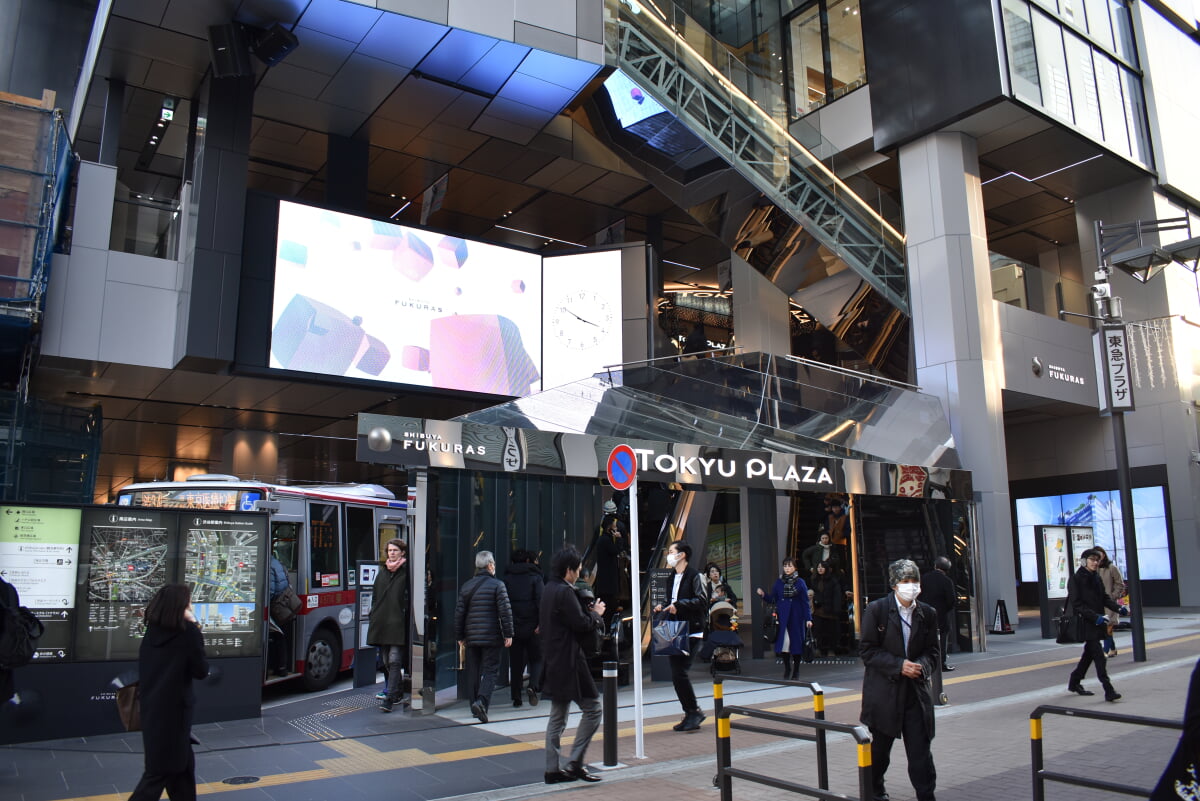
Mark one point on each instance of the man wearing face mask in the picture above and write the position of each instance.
(900, 649)
(688, 601)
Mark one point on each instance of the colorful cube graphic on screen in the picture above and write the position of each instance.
(316, 338)
(480, 353)
(293, 252)
(411, 257)
(452, 252)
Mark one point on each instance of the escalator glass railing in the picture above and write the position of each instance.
(741, 117)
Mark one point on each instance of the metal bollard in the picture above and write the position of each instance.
(611, 670)
(822, 742)
(1036, 758)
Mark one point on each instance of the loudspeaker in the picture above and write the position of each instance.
(229, 50)
(273, 44)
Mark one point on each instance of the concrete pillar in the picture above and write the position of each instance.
(956, 336)
(251, 454)
(207, 327)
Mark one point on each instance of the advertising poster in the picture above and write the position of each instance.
(39, 556)
(1082, 538)
(1059, 565)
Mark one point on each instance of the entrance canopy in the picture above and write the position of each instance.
(745, 420)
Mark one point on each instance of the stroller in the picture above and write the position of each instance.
(723, 641)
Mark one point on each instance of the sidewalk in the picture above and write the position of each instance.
(340, 746)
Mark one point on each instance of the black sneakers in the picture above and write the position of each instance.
(479, 712)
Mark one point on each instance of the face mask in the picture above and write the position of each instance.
(672, 559)
(908, 592)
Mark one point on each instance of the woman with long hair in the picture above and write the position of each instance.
(170, 658)
(1114, 587)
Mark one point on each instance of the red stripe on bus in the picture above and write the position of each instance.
(338, 598)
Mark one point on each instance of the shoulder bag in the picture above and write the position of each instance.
(285, 606)
(129, 706)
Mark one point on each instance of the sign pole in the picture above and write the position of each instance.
(635, 573)
(622, 475)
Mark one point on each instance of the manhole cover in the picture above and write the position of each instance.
(241, 780)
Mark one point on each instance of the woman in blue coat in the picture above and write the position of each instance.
(790, 596)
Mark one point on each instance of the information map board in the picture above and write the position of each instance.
(89, 574)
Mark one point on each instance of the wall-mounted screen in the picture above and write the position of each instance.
(1102, 512)
(367, 299)
(583, 315)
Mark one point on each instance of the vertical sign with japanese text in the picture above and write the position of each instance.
(1112, 358)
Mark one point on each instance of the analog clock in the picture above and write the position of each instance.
(581, 319)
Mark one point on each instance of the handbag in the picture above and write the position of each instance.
(129, 706)
(1070, 629)
(284, 606)
(669, 638)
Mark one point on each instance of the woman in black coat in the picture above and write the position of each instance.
(171, 656)
(388, 628)
(829, 606)
(1087, 599)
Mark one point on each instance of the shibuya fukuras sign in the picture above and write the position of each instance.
(415, 442)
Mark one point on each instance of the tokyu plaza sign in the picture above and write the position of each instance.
(416, 442)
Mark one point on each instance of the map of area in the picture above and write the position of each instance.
(221, 565)
(128, 564)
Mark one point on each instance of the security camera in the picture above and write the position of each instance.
(1101, 290)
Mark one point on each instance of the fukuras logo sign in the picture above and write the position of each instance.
(732, 467)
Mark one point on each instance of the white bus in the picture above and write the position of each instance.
(320, 534)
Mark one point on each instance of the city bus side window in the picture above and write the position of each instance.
(360, 535)
(325, 560)
(283, 544)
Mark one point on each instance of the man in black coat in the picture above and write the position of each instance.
(689, 602)
(563, 621)
(937, 590)
(483, 622)
(523, 581)
(899, 647)
(1086, 597)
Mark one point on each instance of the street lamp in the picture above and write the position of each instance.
(1143, 262)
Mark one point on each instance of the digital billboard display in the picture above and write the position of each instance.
(362, 298)
(368, 299)
(1101, 510)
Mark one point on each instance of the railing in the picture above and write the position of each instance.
(726, 773)
(1025, 286)
(1041, 775)
(695, 77)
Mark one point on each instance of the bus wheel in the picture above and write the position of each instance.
(320, 663)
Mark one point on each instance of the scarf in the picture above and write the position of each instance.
(394, 566)
(789, 584)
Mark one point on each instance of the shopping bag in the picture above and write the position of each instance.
(669, 638)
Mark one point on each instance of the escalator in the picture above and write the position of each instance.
(682, 109)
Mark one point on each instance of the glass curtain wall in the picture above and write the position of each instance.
(1075, 59)
(826, 58)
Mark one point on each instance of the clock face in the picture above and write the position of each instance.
(581, 320)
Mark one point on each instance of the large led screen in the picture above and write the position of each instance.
(1102, 511)
(582, 315)
(362, 298)
(630, 103)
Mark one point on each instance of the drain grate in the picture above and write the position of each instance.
(240, 780)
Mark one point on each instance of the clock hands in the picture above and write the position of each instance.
(577, 317)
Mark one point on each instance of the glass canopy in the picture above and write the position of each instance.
(749, 401)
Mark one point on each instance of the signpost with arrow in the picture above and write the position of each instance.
(39, 556)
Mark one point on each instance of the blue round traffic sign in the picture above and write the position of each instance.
(622, 467)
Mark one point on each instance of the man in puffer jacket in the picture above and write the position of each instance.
(483, 622)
